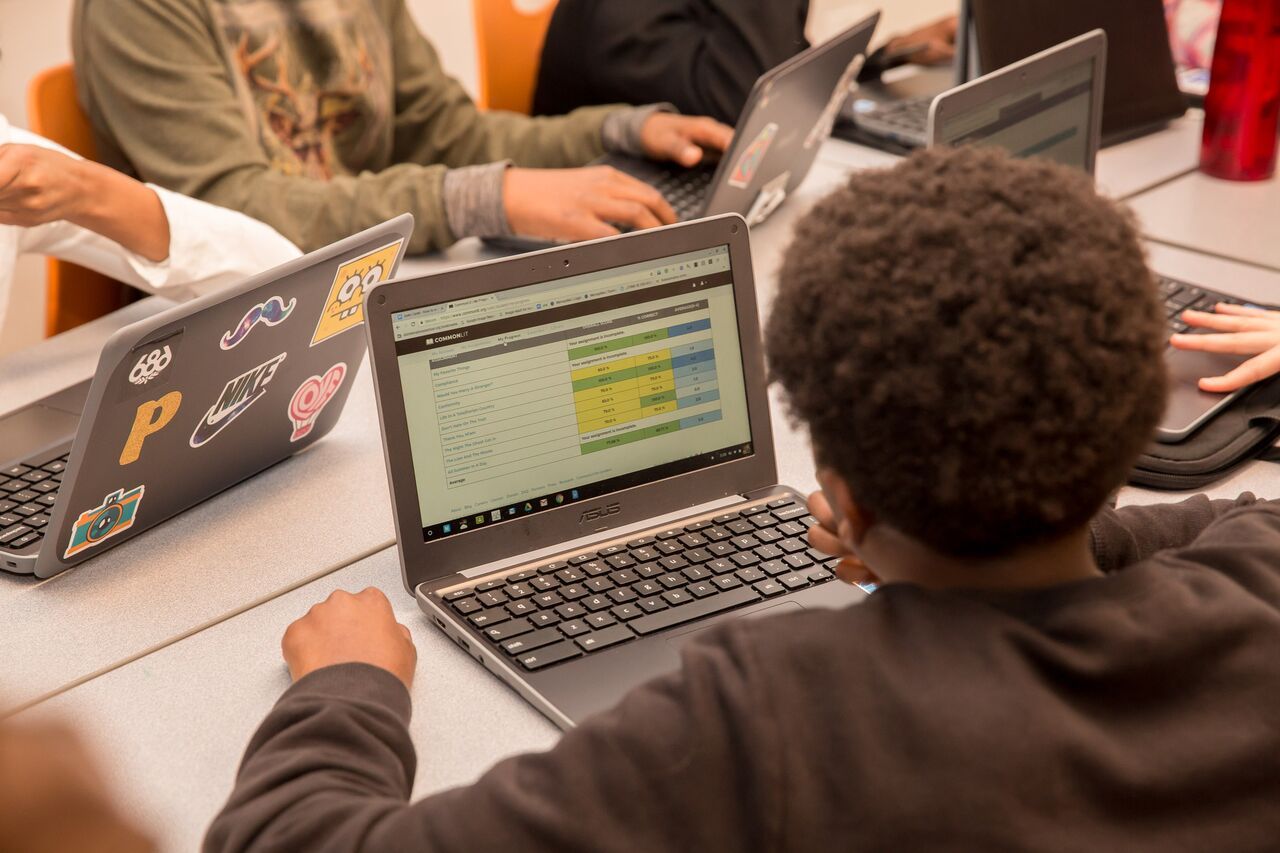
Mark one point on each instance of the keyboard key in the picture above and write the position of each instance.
(627, 612)
(38, 521)
(779, 503)
(669, 534)
(568, 575)
(702, 589)
(652, 622)
(520, 608)
(621, 595)
(599, 584)
(624, 577)
(692, 540)
(764, 519)
(488, 585)
(580, 559)
(547, 599)
(791, 513)
(672, 581)
(467, 605)
(744, 543)
(696, 573)
(458, 593)
(521, 577)
(698, 555)
(24, 541)
(12, 533)
(775, 568)
(768, 587)
(716, 534)
(28, 509)
(726, 581)
(507, 630)
(57, 466)
(35, 476)
(13, 486)
(597, 602)
(611, 550)
(594, 568)
(677, 596)
(675, 561)
(8, 519)
(572, 610)
(740, 527)
(518, 590)
(650, 570)
(745, 558)
(798, 561)
(721, 566)
(721, 549)
(792, 545)
(552, 567)
(575, 627)
(14, 471)
(652, 605)
(795, 580)
(600, 620)
(768, 535)
(645, 554)
(543, 618)
(491, 616)
(574, 591)
(607, 637)
(545, 582)
(641, 542)
(6, 505)
(768, 552)
(668, 547)
(753, 510)
(750, 575)
(492, 598)
(529, 642)
(819, 576)
(793, 528)
(646, 588)
(26, 495)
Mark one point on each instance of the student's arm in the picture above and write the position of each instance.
(702, 56)
(1122, 537)
(686, 762)
(155, 68)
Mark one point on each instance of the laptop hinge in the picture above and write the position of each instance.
(578, 544)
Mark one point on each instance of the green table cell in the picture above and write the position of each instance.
(602, 347)
(604, 379)
(653, 367)
(655, 399)
(628, 437)
(650, 337)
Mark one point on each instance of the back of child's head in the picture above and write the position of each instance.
(975, 344)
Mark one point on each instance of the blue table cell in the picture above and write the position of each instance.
(700, 420)
(686, 349)
(698, 399)
(689, 328)
(697, 372)
(699, 357)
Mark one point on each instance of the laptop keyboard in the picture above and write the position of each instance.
(684, 189)
(909, 116)
(596, 600)
(1179, 296)
(27, 495)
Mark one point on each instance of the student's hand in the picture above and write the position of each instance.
(936, 43)
(1242, 331)
(826, 536)
(39, 185)
(52, 798)
(346, 628)
(580, 204)
(683, 139)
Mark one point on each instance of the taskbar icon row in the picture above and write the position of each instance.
(505, 513)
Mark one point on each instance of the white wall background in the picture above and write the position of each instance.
(34, 34)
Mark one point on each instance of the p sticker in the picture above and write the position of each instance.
(152, 417)
(344, 309)
(749, 163)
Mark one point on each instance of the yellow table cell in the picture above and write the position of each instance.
(656, 384)
(660, 409)
(656, 355)
(592, 396)
(603, 368)
(630, 405)
(586, 425)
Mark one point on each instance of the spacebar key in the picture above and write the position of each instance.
(697, 610)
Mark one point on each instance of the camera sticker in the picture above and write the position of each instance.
(749, 163)
(344, 309)
(273, 312)
(115, 515)
(311, 398)
(150, 365)
(151, 417)
(237, 396)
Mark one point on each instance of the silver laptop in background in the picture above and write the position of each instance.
(188, 403)
(581, 459)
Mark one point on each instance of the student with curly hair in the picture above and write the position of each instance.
(974, 343)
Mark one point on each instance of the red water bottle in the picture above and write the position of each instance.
(1243, 103)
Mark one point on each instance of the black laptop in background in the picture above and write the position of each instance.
(1142, 93)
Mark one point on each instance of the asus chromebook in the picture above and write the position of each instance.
(187, 403)
(581, 461)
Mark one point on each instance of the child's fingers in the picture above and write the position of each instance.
(1254, 370)
(1234, 343)
(1226, 322)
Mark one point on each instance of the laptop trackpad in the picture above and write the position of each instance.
(773, 610)
(34, 428)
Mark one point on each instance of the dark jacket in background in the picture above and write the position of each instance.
(701, 55)
(1138, 711)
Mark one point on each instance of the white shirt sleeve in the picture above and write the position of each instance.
(209, 246)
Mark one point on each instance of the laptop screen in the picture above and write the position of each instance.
(1049, 117)
(527, 399)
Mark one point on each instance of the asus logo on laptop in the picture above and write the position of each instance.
(600, 512)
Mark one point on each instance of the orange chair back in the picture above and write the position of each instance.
(73, 294)
(509, 51)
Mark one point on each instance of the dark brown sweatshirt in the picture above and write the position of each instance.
(1138, 711)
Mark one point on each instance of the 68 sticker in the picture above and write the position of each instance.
(150, 365)
(344, 308)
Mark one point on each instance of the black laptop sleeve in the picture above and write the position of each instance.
(1244, 431)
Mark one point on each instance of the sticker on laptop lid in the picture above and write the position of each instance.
(273, 312)
(749, 162)
(150, 365)
(237, 396)
(112, 517)
(312, 396)
(148, 369)
(151, 417)
(344, 307)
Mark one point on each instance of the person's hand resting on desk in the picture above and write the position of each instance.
(1238, 330)
(347, 628)
(39, 185)
(590, 202)
(932, 44)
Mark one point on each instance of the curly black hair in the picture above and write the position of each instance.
(974, 343)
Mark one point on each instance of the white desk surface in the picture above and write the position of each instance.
(1229, 219)
(170, 723)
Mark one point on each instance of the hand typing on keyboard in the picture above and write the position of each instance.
(1236, 329)
(831, 535)
(683, 139)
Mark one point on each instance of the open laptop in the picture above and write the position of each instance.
(788, 115)
(581, 459)
(188, 403)
(1141, 94)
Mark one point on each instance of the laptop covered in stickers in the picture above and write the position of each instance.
(188, 403)
(787, 117)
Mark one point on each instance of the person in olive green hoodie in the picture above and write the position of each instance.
(323, 117)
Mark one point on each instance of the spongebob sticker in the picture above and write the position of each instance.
(344, 308)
